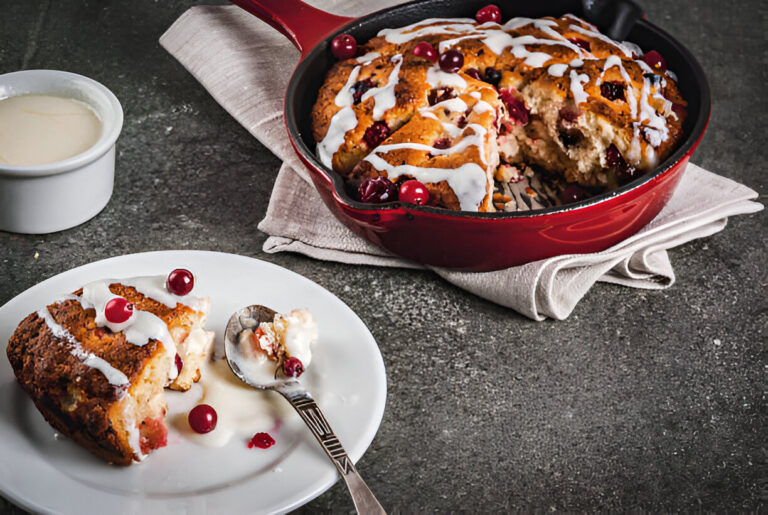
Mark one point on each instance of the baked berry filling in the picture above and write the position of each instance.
(152, 434)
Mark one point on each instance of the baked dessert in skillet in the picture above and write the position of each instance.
(96, 362)
(497, 117)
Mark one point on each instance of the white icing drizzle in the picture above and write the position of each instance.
(345, 97)
(476, 95)
(367, 58)
(557, 70)
(576, 63)
(114, 376)
(579, 95)
(430, 26)
(341, 122)
(384, 97)
(481, 106)
(437, 78)
(475, 139)
(598, 35)
(468, 181)
(154, 287)
(139, 329)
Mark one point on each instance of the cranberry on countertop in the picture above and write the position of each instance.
(202, 419)
(343, 46)
(451, 61)
(180, 282)
(261, 441)
(375, 190)
(489, 13)
(118, 310)
(425, 50)
(414, 192)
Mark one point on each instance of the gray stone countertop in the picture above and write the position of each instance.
(640, 399)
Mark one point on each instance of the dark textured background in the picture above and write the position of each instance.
(641, 399)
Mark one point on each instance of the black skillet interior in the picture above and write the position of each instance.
(611, 16)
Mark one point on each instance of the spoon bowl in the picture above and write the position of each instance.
(269, 377)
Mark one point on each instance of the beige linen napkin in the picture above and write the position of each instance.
(245, 65)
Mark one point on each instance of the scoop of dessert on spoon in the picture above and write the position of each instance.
(265, 374)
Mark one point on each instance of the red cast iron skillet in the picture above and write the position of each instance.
(484, 241)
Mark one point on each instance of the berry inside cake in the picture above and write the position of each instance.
(96, 362)
(490, 116)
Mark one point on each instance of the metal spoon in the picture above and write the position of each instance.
(249, 318)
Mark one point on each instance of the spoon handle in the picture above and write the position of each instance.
(306, 407)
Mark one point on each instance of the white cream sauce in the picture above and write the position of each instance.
(43, 129)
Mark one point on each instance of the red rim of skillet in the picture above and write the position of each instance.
(311, 70)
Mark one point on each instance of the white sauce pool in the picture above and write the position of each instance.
(42, 129)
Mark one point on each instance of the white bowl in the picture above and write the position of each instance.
(56, 196)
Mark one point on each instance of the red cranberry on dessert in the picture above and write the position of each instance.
(462, 99)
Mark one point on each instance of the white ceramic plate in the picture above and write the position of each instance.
(47, 473)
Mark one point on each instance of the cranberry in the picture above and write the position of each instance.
(515, 107)
(489, 13)
(375, 134)
(492, 76)
(343, 46)
(202, 418)
(462, 122)
(582, 43)
(440, 95)
(680, 110)
(573, 193)
(414, 192)
(179, 363)
(451, 61)
(613, 90)
(472, 72)
(655, 61)
(442, 143)
(614, 159)
(425, 50)
(118, 310)
(293, 367)
(376, 190)
(359, 88)
(261, 441)
(180, 282)
(570, 114)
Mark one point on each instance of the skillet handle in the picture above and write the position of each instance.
(614, 18)
(304, 25)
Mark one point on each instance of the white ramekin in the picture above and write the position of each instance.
(56, 196)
